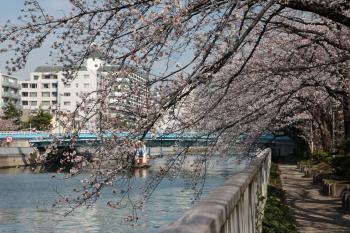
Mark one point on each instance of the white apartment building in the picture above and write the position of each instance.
(40, 90)
(49, 90)
(128, 94)
(10, 90)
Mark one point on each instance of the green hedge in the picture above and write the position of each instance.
(277, 217)
(321, 155)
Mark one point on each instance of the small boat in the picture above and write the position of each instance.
(141, 158)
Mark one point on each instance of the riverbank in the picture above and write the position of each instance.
(15, 156)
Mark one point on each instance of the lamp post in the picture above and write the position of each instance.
(333, 130)
(30, 113)
(311, 138)
(58, 113)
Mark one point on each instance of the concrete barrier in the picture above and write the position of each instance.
(235, 207)
(15, 156)
(346, 200)
(15, 153)
(335, 188)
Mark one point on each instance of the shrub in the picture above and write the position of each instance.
(344, 147)
(321, 155)
(342, 166)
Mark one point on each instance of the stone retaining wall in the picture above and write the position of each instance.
(15, 156)
(235, 207)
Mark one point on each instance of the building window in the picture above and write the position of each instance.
(66, 94)
(24, 85)
(86, 85)
(36, 77)
(76, 93)
(77, 85)
(67, 85)
(25, 94)
(66, 103)
(86, 76)
(46, 76)
(33, 103)
(33, 94)
(33, 85)
(45, 94)
(24, 103)
(54, 76)
(54, 94)
(46, 85)
(54, 85)
(54, 102)
(45, 103)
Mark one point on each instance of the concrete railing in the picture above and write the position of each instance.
(235, 207)
(15, 153)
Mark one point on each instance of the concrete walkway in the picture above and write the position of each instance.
(313, 211)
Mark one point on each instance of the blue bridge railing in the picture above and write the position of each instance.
(35, 135)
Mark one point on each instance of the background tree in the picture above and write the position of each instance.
(40, 121)
(12, 113)
(7, 125)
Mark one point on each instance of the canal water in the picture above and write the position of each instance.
(26, 200)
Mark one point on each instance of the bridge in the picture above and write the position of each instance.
(281, 145)
(41, 139)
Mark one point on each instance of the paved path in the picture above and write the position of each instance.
(313, 211)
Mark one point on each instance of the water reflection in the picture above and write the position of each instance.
(26, 199)
(141, 173)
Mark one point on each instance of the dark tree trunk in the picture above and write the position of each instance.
(324, 127)
(326, 139)
(346, 115)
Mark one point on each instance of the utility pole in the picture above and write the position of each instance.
(333, 130)
(30, 113)
(311, 138)
(58, 113)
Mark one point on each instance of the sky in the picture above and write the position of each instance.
(11, 9)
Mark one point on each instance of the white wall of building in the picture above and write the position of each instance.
(40, 91)
(49, 90)
(71, 93)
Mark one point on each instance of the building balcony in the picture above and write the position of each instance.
(11, 84)
(10, 95)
